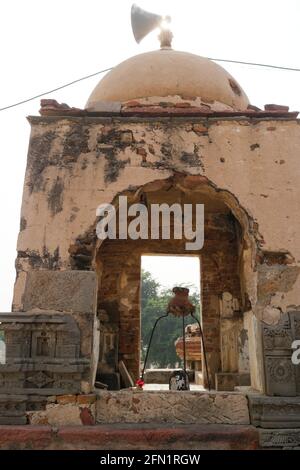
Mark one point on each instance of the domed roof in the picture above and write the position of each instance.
(167, 72)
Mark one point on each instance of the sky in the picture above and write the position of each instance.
(45, 44)
(174, 271)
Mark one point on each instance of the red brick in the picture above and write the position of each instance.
(182, 105)
(86, 399)
(66, 399)
(86, 417)
(141, 151)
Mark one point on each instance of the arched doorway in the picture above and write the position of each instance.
(226, 258)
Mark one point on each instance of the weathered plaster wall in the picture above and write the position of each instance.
(75, 164)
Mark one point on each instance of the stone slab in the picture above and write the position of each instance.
(282, 376)
(120, 437)
(274, 412)
(130, 406)
(25, 437)
(48, 353)
(279, 438)
(61, 291)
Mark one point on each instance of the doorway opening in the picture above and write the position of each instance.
(226, 272)
(159, 275)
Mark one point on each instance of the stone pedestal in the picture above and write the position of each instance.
(54, 351)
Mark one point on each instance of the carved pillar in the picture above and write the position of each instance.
(282, 376)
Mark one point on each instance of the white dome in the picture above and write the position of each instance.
(166, 72)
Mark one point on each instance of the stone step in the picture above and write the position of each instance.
(173, 407)
(123, 437)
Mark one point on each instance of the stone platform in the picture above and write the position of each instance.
(199, 407)
(133, 406)
(123, 437)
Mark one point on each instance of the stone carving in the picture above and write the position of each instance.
(280, 370)
(186, 407)
(295, 324)
(229, 345)
(282, 376)
(279, 336)
(288, 438)
(40, 379)
(108, 353)
(274, 412)
(231, 325)
(35, 361)
(13, 407)
(228, 305)
(45, 356)
(61, 291)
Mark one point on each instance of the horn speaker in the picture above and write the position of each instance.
(143, 22)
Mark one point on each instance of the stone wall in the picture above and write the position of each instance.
(77, 163)
(119, 290)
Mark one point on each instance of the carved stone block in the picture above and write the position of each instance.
(282, 376)
(46, 354)
(274, 412)
(43, 354)
(61, 291)
(185, 407)
(287, 438)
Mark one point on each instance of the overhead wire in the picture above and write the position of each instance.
(255, 64)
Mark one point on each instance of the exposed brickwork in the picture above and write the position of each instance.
(120, 282)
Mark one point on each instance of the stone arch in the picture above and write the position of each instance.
(119, 279)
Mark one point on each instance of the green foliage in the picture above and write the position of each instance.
(1, 335)
(154, 302)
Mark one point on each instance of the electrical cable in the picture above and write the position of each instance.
(278, 67)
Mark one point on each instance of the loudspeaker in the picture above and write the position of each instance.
(143, 22)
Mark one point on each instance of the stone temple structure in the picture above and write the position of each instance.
(161, 127)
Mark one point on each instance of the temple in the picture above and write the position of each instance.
(161, 127)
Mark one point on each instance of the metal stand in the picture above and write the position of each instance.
(184, 348)
(186, 381)
(150, 341)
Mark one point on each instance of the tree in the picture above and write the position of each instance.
(154, 301)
